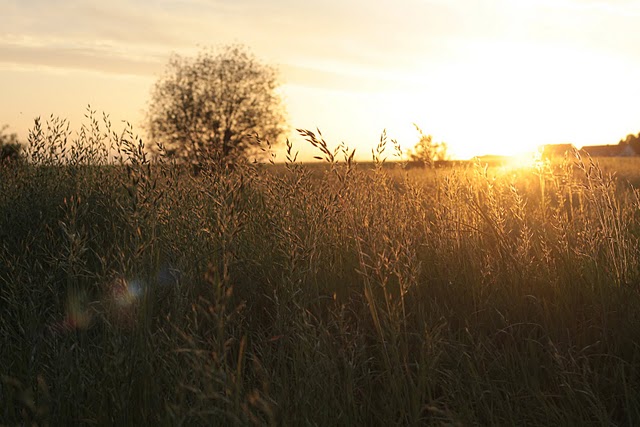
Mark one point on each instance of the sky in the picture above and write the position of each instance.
(485, 76)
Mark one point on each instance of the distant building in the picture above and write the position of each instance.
(556, 150)
(618, 150)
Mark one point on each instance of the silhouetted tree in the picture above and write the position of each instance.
(10, 147)
(211, 107)
(633, 141)
(427, 150)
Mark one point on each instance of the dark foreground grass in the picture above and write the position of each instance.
(136, 294)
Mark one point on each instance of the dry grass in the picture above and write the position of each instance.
(133, 293)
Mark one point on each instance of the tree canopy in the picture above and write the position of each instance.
(427, 150)
(633, 141)
(212, 107)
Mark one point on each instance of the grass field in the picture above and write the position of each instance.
(133, 293)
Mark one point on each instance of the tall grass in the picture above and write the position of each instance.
(135, 293)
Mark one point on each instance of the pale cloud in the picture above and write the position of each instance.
(386, 35)
(98, 58)
(350, 32)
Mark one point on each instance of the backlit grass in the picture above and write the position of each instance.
(135, 293)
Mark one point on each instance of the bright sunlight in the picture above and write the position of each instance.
(508, 99)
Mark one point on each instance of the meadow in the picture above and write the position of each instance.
(132, 292)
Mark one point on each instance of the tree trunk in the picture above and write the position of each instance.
(226, 144)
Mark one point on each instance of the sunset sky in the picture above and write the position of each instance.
(486, 76)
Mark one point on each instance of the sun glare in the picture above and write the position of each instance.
(509, 98)
(527, 160)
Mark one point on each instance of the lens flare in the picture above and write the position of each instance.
(78, 314)
(127, 292)
(125, 295)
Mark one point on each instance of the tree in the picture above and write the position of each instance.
(427, 150)
(10, 147)
(213, 106)
(633, 141)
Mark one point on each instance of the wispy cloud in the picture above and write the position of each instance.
(285, 31)
(97, 58)
(389, 34)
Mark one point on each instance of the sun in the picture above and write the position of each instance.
(509, 98)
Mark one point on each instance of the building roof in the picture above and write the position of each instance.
(608, 150)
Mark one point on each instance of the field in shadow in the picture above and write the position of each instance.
(135, 293)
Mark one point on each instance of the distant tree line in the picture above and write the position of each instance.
(10, 147)
(633, 141)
